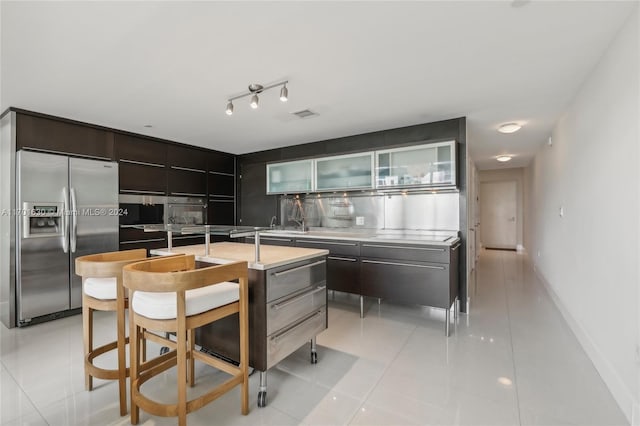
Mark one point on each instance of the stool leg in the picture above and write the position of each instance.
(134, 365)
(181, 343)
(87, 328)
(244, 345)
(191, 368)
(122, 362)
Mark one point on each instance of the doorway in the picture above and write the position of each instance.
(498, 212)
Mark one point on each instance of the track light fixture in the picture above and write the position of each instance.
(254, 90)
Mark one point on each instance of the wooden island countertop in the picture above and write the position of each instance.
(227, 252)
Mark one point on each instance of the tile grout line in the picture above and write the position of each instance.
(513, 357)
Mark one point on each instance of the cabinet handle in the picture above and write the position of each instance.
(348, 259)
(327, 242)
(189, 194)
(151, 240)
(221, 196)
(135, 191)
(182, 237)
(403, 264)
(403, 247)
(222, 173)
(141, 163)
(279, 336)
(221, 201)
(309, 265)
(187, 169)
(272, 239)
(455, 247)
(297, 298)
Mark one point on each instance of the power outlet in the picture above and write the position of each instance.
(359, 220)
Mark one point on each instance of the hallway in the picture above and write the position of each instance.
(513, 361)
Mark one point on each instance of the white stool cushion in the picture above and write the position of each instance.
(163, 305)
(101, 288)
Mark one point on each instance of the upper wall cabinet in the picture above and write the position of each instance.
(345, 172)
(292, 176)
(422, 165)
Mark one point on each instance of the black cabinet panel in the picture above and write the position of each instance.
(183, 240)
(221, 162)
(63, 136)
(343, 274)
(190, 158)
(256, 207)
(407, 282)
(132, 238)
(438, 254)
(187, 183)
(343, 247)
(134, 148)
(221, 184)
(221, 212)
(142, 179)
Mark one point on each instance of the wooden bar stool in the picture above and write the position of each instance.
(169, 296)
(102, 291)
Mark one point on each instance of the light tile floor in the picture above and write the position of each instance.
(512, 361)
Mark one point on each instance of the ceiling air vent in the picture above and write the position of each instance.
(304, 113)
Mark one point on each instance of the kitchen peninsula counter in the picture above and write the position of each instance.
(287, 303)
(226, 252)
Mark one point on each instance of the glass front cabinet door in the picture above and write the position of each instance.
(290, 177)
(431, 165)
(345, 172)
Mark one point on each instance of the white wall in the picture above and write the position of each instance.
(589, 258)
(502, 175)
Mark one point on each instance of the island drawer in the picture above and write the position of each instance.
(287, 340)
(289, 279)
(345, 248)
(288, 309)
(418, 253)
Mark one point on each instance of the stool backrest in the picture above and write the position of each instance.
(105, 265)
(178, 274)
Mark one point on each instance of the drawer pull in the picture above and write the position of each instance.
(309, 265)
(284, 333)
(187, 169)
(135, 191)
(403, 247)
(141, 163)
(403, 264)
(297, 298)
(189, 194)
(272, 239)
(337, 243)
(152, 240)
(455, 247)
(348, 259)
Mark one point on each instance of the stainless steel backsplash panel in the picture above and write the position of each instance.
(424, 211)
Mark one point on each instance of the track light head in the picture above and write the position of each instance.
(256, 89)
(284, 93)
(254, 101)
(229, 109)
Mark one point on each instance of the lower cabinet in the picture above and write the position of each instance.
(407, 282)
(132, 238)
(343, 274)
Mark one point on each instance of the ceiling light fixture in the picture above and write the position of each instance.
(509, 127)
(503, 158)
(254, 90)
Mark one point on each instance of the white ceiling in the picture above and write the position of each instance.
(362, 66)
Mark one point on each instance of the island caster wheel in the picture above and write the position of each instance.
(262, 398)
(164, 350)
(314, 357)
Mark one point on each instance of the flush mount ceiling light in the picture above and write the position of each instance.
(509, 127)
(503, 158)
(254, 90)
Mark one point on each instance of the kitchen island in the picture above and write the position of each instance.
(287, 303)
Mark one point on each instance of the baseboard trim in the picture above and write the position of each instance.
(625, 399)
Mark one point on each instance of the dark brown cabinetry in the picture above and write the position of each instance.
(343, 263)
(132, 238)
(187, 171)
(142, 165)
(221, 184)
(63, 136)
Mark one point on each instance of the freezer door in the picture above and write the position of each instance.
(94, 226)
(42, 266)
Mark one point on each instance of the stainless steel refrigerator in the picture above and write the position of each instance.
(67, 207)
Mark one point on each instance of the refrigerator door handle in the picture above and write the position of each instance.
(74, 220)
(65, 221)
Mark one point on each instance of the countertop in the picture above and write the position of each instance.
(222, 253)
(438, 238)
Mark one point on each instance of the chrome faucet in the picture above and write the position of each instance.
(273, 222)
